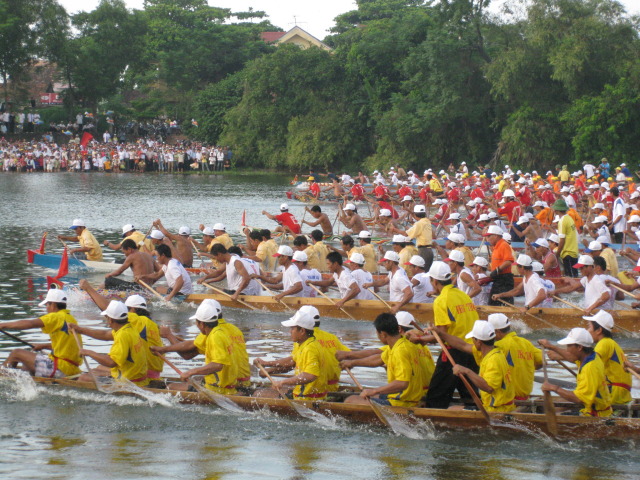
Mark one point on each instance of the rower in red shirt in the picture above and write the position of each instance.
(357, 191)
(381, 192)
(405, 190)
(511, 209)
(314, 189)
(288, 223)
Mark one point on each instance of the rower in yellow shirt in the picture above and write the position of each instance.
(591, 390)
(89, 247)
(407, 323)
(64, 359)
(127, 357)
(130, 233)
(405, 380)
(309, 359)
(367, 251)
(321, 250)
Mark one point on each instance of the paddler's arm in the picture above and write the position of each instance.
(322, 283)
(604, 298)
(175, 290)
(22, 324)
(165, 232)
(562, 392)
(297, 287)
(102, 358)
(353, 292)
(112, 246)
(186, 349)
(377, 283)
(571, 285)
(407, 295)
(352, 355)
(396, 386)
(207, 369)
(69, 238)
(479, 382)
(105, 334)
(300, 379)
(246, 279)
(268, 215)
(126, 264)
(455, 342)
(281, 365)
(630, 366)
(368, 361)
(214, 276)
(555, 352)
(516, 291)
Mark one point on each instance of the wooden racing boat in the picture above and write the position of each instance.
(368, 310)
(569, 426)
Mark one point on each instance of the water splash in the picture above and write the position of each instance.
(17, 385)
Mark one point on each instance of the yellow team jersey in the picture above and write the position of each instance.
(522, 357)
(331, 344)
(422, 232)
(129, 353)
(321, 251)
(435, 186)
(495, 370)
(265, 253)
(403, 363)
(567, 230)
(311, 358)
(142, 242)
(240, 355)
(619, 380)
(454, 309)
(200, 342)
(592, 389)
(219, 349)
(369, 254)
(87, 240)
(611, 260)
(312, 259)
(224, 239)
(427, 365)
(405, 255)
(65, 348)
(150, 335)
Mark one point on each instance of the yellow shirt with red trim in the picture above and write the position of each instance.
(65, 348)
(331, 344)
(138, 237)
(150, 335)
(427, 365)
(619, 380)
(87, 240)
(403, 364)
(219, 349)
(369, 254)
(240, 355)
(522, 357)
(454, 309)
(128, 351)
(495, 370)
(311, 358)
(592, 389)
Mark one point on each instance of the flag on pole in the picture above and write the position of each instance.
(63, 270)
(86, 138)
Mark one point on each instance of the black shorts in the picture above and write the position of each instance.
(115, 283)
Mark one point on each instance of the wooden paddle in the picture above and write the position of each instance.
(331, 300)
(542, 320)
(66, 246)
(374, 406)
(380, 298)
(222, 292)
(152, 290)
(17, 339)
(549, 407)
(472, 392)
(221, 400)
(301, 409)
(628, 294)
(86, 363)
(202, 259)
(573, 305)
(289, 309)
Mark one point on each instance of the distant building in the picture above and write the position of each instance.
(39, 85)
(296, 36)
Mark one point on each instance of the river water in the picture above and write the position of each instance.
(65, 434)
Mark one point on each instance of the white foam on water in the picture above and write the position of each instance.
(17, 385)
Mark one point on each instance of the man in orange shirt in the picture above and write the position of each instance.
(501, 260)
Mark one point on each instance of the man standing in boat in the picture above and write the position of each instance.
(322, 220)
(182, 242)
(89, 247)
(64, 359)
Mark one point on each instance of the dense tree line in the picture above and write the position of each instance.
(411, 82)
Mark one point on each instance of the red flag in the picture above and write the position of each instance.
(86, 138)
(64, 265)
(243, 221)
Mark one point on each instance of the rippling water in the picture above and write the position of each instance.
(49, 433)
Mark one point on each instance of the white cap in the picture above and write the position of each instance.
(300, 256)
(311, 310)
(349, 206)
(54, 295)
(508, 193)
(398, 239)
(524, 260)
(416, 260)
(135, 301)
(300, 319)
(407, 198)
(634, 219)
(506, 236)
(499, 321)
(635, 194)
(482, 330)
(206, 313)
(116, 310)
(219, 226)
(522, 180)
(603, 240)
(440, 271)
(77, 223)
(493, 230)
(405, 319)
(598, 206)
(554, 238)
(471, 203)
(419, 209)
(602, 318)
(605, 185)
(356, 258)
(481, 262)
(483, 217)
(492, 214)
(456, 237)
(565, 189)
(391, 255)
(284, 207)
(156, 235)
(184, 230)
(454, 216)
(284, 250)
(127, 228)
(522, 219)
(577, 336)
(584, 260)
(214, 303)
(594, 246)
(208, 231)
(477, 200)
(541, 242)
(537, 266)
(600, 219)
(364, 234)
(539, 203)
(385, 212)
(455, 256)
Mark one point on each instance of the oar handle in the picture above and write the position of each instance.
(222, 292)
(171, 364)
(565, 366)
(331, 300)
(572, 305)
(629, 294)
(66, 246)
(151, 289)
(353, 377)
(380, 298)
(271, 292)
(76, 337)
(542, 320)
(197, 251)
(17, 339)
(262, 369)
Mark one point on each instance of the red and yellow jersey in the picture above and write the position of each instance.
(240, 355)
(150, 335)
(310, 357)
(219, 349)
(129, 353)
(618, 379)
(454, 309)
(65, 348)
(522, 357)
(495, 370)
(592, 388)
(403, 364)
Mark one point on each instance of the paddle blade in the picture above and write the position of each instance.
(550, 413)
(221, 400)
(395, 422)
(312, 414)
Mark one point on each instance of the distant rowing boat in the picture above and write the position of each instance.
(569, 426)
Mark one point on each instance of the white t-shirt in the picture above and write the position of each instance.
(483, 297)
(361, 277)
(344, 281)
(589, 170)
(309, 274)
(290, 277)
(397, 283)
(611, 302)
(234, 279)
(460, 284)
(619, 210)
(459, 228)
(172, 271)
(532, 288)
(422, 288)
(603, 231)
(593, 290)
